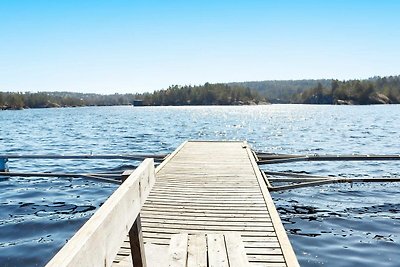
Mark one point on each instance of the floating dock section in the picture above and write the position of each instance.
(212, 187)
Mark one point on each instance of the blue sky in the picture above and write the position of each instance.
(136, 46)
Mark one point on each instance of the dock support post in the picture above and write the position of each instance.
(137, 245)
(4, 165)
(136, 237)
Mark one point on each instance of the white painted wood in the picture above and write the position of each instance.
(98, 241)
(178, 250)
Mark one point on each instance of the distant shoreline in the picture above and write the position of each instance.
(127, 105)
(260, 104)
(375, 90)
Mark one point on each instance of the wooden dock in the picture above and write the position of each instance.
(203, 188)
(208, 187)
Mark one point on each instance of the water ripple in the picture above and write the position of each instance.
(334, 225)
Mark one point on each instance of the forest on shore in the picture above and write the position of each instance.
(207, 94)
(376, 90)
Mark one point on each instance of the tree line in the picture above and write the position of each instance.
(20, 100)
(207, 94)
(282, 91)
(376, 90)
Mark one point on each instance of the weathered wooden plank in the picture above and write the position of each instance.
(155, 238)
(158, 241)
(186, 221)
(268, 264)
(269, 237)
(197, 251)
(202, 201)
(216, 210)
(210, 177)
(135, 233)
(247, 233)
(158, 227)
(222, 250)
(98, 241)
(235, 250)
(124, 262)
(207, 183)
(205, 219)
(263, 251)
(267, 258)
(205, 198)
(217, 255)
(256, 207)
(202, 194)
(262, 244)
(197, 201)
(178, 250)
(266, 237)
(207, 190)
(211, 216)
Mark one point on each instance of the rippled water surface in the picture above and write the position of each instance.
(333, 225)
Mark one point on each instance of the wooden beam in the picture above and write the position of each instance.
(137, 245)
(287, 250)
(135, 236)
(99, 239)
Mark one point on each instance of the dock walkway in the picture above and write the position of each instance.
(206, 187)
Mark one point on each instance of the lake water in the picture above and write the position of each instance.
(332, 225)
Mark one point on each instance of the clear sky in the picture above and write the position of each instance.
(109, 46)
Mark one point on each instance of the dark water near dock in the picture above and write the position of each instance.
(333, 225)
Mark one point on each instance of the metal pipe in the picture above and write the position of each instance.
(296, 158)
(63, 175)
(283, 160)
(292, 180)
(305, 184)
(333, 180)
(84, 156)
(351, 157)
(297, 175)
